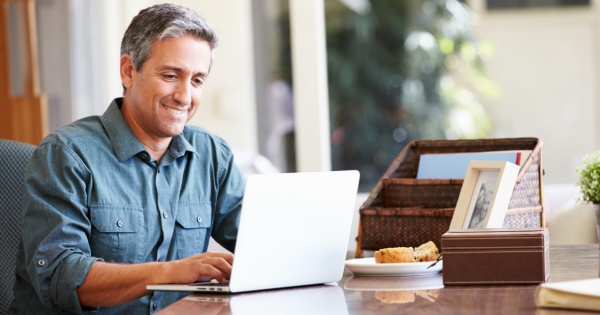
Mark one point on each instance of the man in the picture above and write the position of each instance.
(131, 198)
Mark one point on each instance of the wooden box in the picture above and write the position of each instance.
(495, 256)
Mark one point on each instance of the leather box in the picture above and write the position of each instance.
(495, 256)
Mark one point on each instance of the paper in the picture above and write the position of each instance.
(455, 165)
(577, 294)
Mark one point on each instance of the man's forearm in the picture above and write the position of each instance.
(109, 284)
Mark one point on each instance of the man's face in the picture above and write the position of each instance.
(165, 94)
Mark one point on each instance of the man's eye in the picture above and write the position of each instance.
(169, 76)
(198, 82)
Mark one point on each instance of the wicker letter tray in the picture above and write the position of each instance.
(404, 211)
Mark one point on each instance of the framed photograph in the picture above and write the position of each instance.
(485, 195)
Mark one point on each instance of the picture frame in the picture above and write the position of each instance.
(485, 195)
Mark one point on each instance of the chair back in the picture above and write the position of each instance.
(13, 159)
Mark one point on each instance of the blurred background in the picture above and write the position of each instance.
(341, 84)
(396, 71)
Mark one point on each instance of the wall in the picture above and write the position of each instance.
(546, 66)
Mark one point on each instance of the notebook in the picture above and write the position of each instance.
(455, 165)
(294, 231)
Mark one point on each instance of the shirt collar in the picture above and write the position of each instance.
(125, 143)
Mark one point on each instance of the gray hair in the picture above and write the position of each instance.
(164, 21)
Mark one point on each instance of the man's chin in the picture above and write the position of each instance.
(171, 133)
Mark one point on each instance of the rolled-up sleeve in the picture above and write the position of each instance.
(56, 225)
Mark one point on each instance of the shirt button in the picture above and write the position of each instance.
(41, 262)
(154, 307)
(119, 223)
(144, 155)
(165, 215)
(199, 219)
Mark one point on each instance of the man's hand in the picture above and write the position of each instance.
(197, 268)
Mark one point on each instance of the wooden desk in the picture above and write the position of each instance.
(371, 295)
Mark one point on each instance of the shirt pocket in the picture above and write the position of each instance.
(118, 234)
(192, 228)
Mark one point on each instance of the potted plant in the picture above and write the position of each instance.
(589, 183)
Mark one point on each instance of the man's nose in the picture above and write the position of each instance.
(183, 93)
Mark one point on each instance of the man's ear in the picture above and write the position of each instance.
(126, 70)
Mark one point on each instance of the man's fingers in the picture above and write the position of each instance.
(204, 278)
(214, 266)
(211, 274)
(227, 256)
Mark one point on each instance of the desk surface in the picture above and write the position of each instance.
(391, 295)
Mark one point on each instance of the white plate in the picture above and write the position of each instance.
(368, 267)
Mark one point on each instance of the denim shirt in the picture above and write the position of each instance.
(94, 193)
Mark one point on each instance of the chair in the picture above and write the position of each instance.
(13, 159)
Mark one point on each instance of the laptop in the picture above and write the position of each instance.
(294, 231)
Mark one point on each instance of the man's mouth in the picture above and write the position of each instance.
(175, 110)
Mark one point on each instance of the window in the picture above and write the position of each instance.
(393, 69)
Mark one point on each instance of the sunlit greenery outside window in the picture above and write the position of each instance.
(400, 71)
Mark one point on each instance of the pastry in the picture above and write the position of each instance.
(426, 252)
(394, 255)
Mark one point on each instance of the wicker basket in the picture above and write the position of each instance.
(404, 211)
